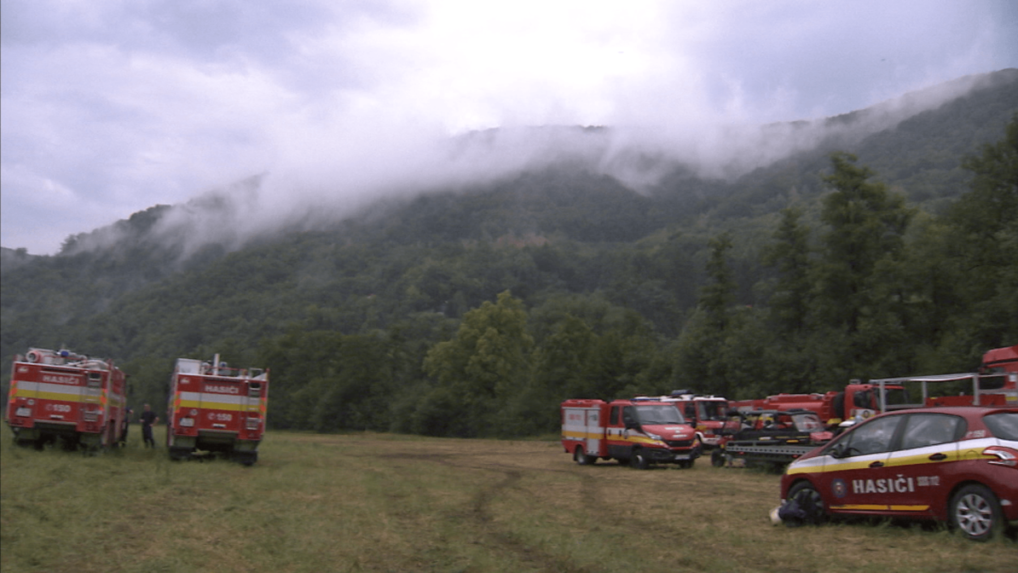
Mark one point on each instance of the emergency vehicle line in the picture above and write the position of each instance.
(82, 402)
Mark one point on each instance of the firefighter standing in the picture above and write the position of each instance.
(148, 419)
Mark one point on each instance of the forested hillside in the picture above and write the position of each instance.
(474, 311)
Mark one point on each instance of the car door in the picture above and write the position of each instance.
(922, 462)
(855, 477)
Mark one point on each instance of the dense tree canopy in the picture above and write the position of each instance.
(476, 314)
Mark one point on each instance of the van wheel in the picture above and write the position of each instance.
(581, 457)
(976, 513)
(639, 460)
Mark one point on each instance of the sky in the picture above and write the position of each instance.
(108, 107)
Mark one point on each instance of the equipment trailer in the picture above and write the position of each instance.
(776, 437)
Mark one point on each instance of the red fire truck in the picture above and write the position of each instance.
(217, 409)
(708, 414)
(58, 394)
(855, 403)
(994, 384)
(634, 432)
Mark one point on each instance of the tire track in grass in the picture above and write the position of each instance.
(478, 511)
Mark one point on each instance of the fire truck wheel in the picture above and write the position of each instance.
(105, 438)
(179, 454)
(976, 513)
(639, 460)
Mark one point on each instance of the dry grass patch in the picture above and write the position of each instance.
(364, 502)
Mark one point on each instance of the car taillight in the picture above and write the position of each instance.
(1005, 456)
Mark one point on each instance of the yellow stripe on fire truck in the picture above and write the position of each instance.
(46, 391)
(214, 401)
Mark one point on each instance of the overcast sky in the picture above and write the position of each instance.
(108, 107)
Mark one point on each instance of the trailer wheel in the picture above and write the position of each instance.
(639, 460)
(976, 513)
(581, 457)
(717, 458)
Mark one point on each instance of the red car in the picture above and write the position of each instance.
(953, 464)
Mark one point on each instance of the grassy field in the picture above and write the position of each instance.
(370, 502)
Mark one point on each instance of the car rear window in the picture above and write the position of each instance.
(1003, 425)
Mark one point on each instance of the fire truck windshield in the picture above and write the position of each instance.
(896, 397)
(658, 414)
(713, 410)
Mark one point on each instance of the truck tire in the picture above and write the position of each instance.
(810, 501)
(975, 512)
(581, 457)
(179, 454)
(639, 460)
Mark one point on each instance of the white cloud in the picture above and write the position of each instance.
(124, 104)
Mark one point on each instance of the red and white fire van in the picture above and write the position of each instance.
(634, 432)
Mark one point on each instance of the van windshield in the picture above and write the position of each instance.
(659, 414)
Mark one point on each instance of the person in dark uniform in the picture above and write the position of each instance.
(148, 419)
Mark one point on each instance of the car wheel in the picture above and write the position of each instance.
(976, 513)
(639, 460)
(810, 502)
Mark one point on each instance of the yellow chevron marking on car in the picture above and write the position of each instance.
(820, 468)
(874, 507)
(920, 459)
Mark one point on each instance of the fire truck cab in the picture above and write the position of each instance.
(217, 409)
(634, 432)
(708, 414)
(58, 394)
